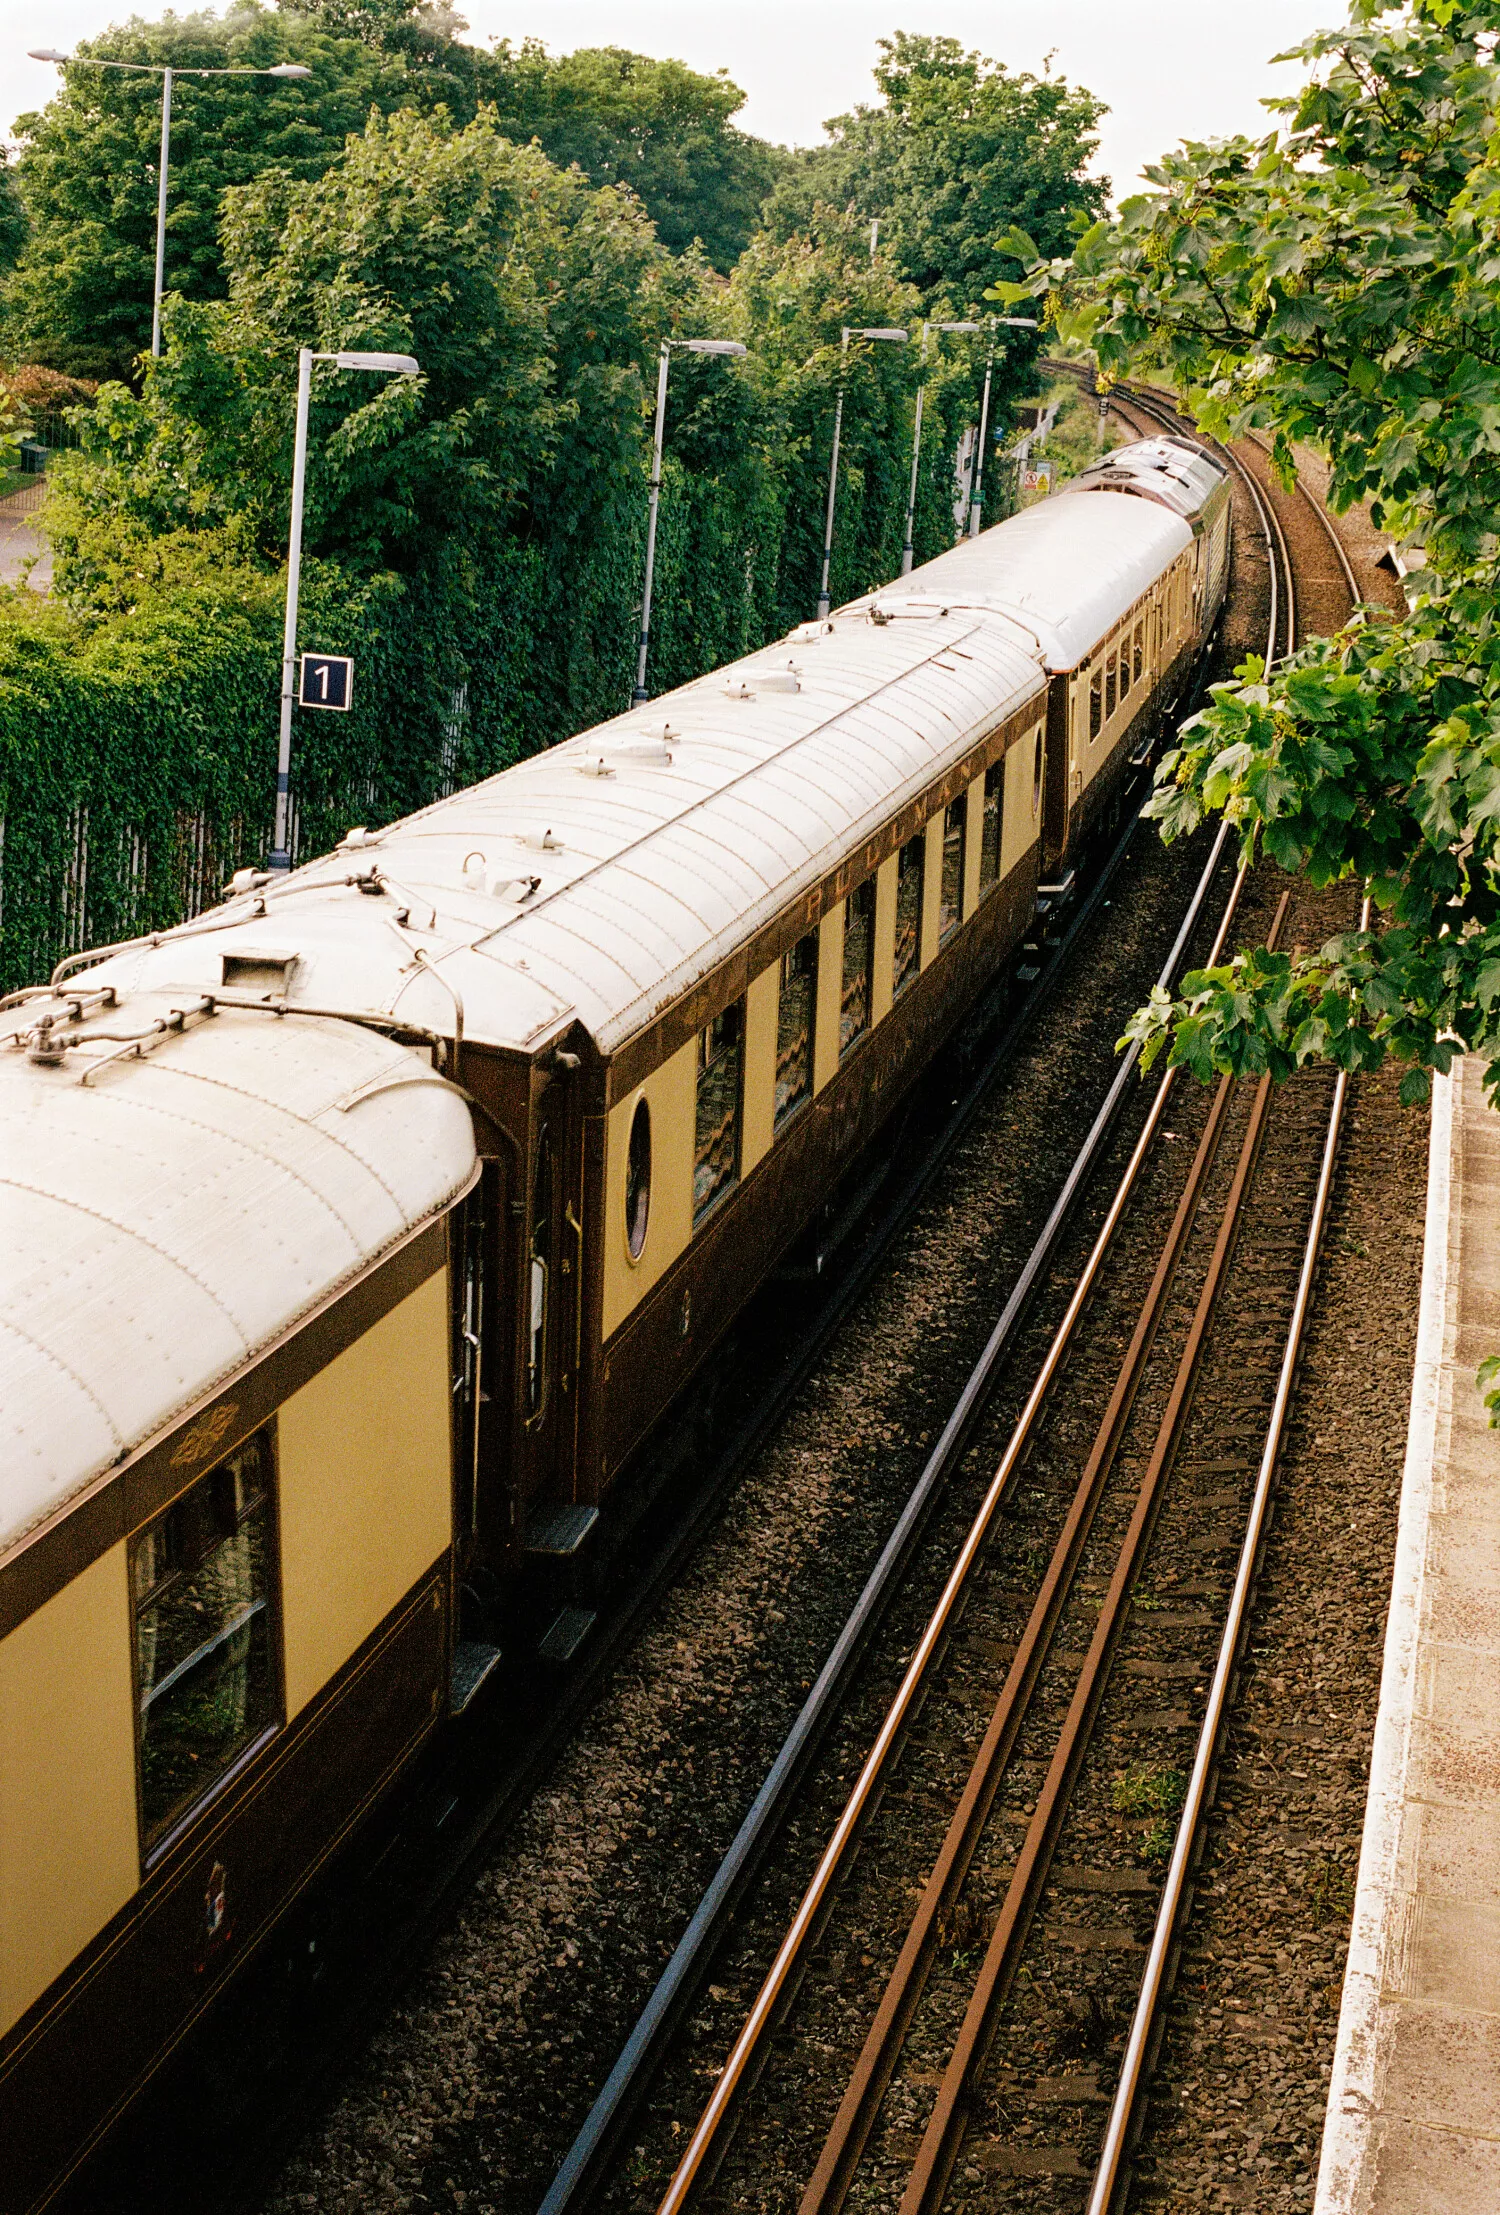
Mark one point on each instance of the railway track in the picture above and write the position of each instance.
(1004, 1999)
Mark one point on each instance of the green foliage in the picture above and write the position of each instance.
(1336, 280)
(1145, 1788)
(661, 130)
(80, 299)
(78, 212)
(957, 152)
(474, 536)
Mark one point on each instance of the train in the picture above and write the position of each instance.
(359, 1231)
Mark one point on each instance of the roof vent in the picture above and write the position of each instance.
(595, 766)
(542, 841)
(788, 679)
(357, 838)
(737, 689)
(255, 969)
(806, 634)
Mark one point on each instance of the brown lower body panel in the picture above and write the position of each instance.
(656, 1350)
(89, 2044)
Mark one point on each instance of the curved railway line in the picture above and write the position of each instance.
(1202, 1288)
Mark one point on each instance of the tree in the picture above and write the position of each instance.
(789, 300)
(80, 299)
(516, 286)
(657, 127)
(958, 153)
(1336, 282)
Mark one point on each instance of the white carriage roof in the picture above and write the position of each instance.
(600, 880)
(164, 1223)
(1185, 478)
(1066, 570)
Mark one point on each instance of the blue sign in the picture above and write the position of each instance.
(327, 681)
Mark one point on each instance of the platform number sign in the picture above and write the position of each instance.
(327, 681)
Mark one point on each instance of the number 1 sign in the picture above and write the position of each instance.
(327, 681)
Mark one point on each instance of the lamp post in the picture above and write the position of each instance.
(976, 496)
(399, 365)
(916, 437)
(166, 73)
(730, 346)
(896, 338)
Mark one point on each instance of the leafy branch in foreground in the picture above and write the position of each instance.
(1375, 756)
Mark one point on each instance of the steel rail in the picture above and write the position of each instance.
(742, 2055)
(944, 2134)
(1253, 438)
(870, 2078)
(763, 2010)
(849, 2133)
(1117, 2130)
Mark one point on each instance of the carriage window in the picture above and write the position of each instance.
(1138, 649)
(1096, 703)
(716, 1155)
(1124, 667)
(539, 1272)
(859, 963)
(909, 874)
(1109, 688)
(205, 1648)
(951, 906)
(991, 825)
(638, 1180)
(1036, 775)
(795, 1004)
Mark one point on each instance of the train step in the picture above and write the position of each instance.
(560, 1531)
(567, 1634)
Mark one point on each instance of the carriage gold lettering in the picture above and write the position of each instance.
(202, 1436)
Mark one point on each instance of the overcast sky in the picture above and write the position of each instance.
(1169, 69)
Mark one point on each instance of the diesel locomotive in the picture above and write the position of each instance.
(356, 1233)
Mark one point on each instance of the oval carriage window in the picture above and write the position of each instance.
(638, 1180)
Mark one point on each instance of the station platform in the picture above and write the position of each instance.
(1413, 2123)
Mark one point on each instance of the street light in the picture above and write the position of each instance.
(916, 437)
(398, 365)
(166, 74)
(729, 346)
(896, 338)
(976, 496)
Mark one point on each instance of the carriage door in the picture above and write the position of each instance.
(551, 1319)
(1057, 795)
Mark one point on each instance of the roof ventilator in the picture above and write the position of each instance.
(253, 970)
(514, 889)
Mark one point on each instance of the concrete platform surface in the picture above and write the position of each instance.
(23, 538)
(1413, 2125)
